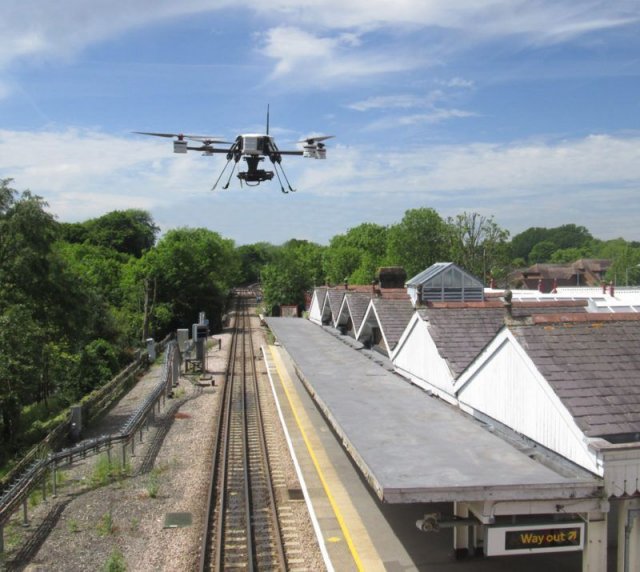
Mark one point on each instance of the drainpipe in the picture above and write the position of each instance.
(632, 514)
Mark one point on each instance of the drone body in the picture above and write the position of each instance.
(252, 148)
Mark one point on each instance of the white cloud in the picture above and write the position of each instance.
(404, 101)
(83, 173)
(50, 30)
(457, 82)
(431, 116)
(310, 60)
(590, 181)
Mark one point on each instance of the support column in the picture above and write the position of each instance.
(594, 557)
(54, 478)
(477, 542)
(461, 533)
(25, 518)
(628, 535)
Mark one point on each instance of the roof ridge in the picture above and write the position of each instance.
(588, 317)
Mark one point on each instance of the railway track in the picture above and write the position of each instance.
(242, 530)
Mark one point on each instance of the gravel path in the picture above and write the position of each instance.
(89, 528)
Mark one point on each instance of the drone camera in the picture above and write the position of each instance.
(179, 146)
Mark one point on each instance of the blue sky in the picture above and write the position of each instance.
(524, 110)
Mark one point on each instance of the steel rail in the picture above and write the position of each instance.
(242, 528)
(273, 512)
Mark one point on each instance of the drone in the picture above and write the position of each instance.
(253, 148)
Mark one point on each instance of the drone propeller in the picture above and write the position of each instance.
(314, 140)
(206, 139)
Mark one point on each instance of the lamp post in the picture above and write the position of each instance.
(626, 272)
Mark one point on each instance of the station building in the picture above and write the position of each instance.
(559, 372)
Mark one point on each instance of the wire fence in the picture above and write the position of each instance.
(34, 470)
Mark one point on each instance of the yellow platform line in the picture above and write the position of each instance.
(282, 374)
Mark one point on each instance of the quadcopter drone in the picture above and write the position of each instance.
(253, 148)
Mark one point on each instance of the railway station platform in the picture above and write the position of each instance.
(412, 447)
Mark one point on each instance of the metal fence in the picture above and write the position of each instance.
(34, 470)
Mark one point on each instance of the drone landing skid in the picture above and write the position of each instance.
(291, 189)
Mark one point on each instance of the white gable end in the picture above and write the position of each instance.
(417, 358)
(505, 385)
(315, 311)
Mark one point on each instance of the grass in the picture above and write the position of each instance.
(115, 562)
(153, 486)
(107, 471)
(105, 526)
(73, 525)
(135, 524)
(35, 497)
(13, 535)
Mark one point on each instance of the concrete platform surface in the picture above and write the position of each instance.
(410, 446)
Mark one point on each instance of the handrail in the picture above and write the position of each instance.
(19, 489)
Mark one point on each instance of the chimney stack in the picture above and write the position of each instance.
(508, 306)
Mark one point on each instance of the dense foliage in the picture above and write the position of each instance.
(473, 241)
(77, 299)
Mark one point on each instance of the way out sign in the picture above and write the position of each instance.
(528, 539)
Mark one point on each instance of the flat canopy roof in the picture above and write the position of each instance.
(410, 446)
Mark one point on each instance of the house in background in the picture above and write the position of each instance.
(547, 277)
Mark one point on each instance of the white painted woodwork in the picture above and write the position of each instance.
(505, 385)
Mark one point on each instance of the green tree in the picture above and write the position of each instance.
(542, 251)
(253, 258)
(568, 255)
(418, 241)
(189, 270)
(356, 255)
(625, 259)
(26, 235)
(131, 231)
(341, 262)
(478, 244)
(21, 338)
(564, 236)
(296, 268)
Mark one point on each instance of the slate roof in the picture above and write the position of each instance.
(335, 295)
(461, 330)
(593, 365)
(321, 294)
(393, 317)
(335, 301)
(357, 304)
